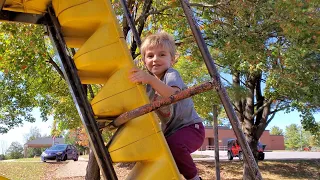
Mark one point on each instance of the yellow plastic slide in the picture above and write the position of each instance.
(103, 58)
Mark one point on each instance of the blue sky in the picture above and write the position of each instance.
(281, 120)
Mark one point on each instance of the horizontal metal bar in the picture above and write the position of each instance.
(125, 117)
(21, 17)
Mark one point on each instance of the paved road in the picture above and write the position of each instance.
(287, 155)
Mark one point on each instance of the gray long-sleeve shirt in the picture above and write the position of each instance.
(179, 114)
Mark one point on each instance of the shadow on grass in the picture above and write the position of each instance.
(291, 169)
(55, 162)
(275, 169)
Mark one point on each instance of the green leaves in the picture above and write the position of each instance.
(275, 130)
(27, 80)
(273, 45)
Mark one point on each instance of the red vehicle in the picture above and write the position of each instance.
(234, 150)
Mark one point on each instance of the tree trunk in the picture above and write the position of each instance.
(248, 125)
(252, 141)
(93, 170)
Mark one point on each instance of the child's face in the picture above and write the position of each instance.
(158, 59)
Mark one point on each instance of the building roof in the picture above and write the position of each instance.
(44, 142)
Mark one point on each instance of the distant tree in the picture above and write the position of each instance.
(15, 151)
(276, 131)
(33, 134)
(292, 137)
(314, 141)
(75, 137)
(2, 157)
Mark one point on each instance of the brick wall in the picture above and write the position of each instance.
(272, 142)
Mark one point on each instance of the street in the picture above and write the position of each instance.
(275, 155)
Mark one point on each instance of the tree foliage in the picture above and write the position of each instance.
(268, 52)
(15, 151)
(269, 48)
(29, 78)
(296, 138)
(33, 134)
(275, 130)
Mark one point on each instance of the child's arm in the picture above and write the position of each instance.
(139, 76)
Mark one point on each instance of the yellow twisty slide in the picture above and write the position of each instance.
(103, 58)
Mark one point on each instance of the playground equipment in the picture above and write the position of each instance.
(103, 58)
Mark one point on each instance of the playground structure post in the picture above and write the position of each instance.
(249, 158)
(216, 140)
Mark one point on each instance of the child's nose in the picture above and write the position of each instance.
(155, 58)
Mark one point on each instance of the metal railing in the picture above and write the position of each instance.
(221, 148)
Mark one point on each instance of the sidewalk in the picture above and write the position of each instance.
(222, 155)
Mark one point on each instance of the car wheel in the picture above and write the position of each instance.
(241, 156)
(230, 157)
(58, 160)
(64, 157)
(261, 157)
(76, 158)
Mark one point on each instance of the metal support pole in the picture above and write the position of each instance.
(255, 173)
(80, 99)
(125, 117)
(131, 23)
(216, 140)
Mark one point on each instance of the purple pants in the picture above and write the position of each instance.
(184, 142)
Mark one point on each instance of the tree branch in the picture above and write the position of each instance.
(238, 104)
(273, 113)
(155, 11)
(269, 120)
(91, 91)
(261, 107)
(141, 23)
(55, 65)
(205, 5)
(125, 25)
(280, 109)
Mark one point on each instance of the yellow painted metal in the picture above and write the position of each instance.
(27, 6)
(103, 58)
(3, 178)
(79, 19)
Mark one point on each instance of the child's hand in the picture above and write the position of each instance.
(139, 76)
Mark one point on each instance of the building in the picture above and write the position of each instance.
(43, 142)
(273, 142)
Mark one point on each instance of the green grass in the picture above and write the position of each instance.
(23, 170)
(270, 169)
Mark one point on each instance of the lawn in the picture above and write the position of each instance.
(25, 169)
(270, 170)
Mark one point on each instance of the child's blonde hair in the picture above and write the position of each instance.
(161, 38)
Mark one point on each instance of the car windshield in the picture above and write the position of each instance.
(58, 147)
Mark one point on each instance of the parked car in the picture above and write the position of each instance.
(60, 152)
(234, 150)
